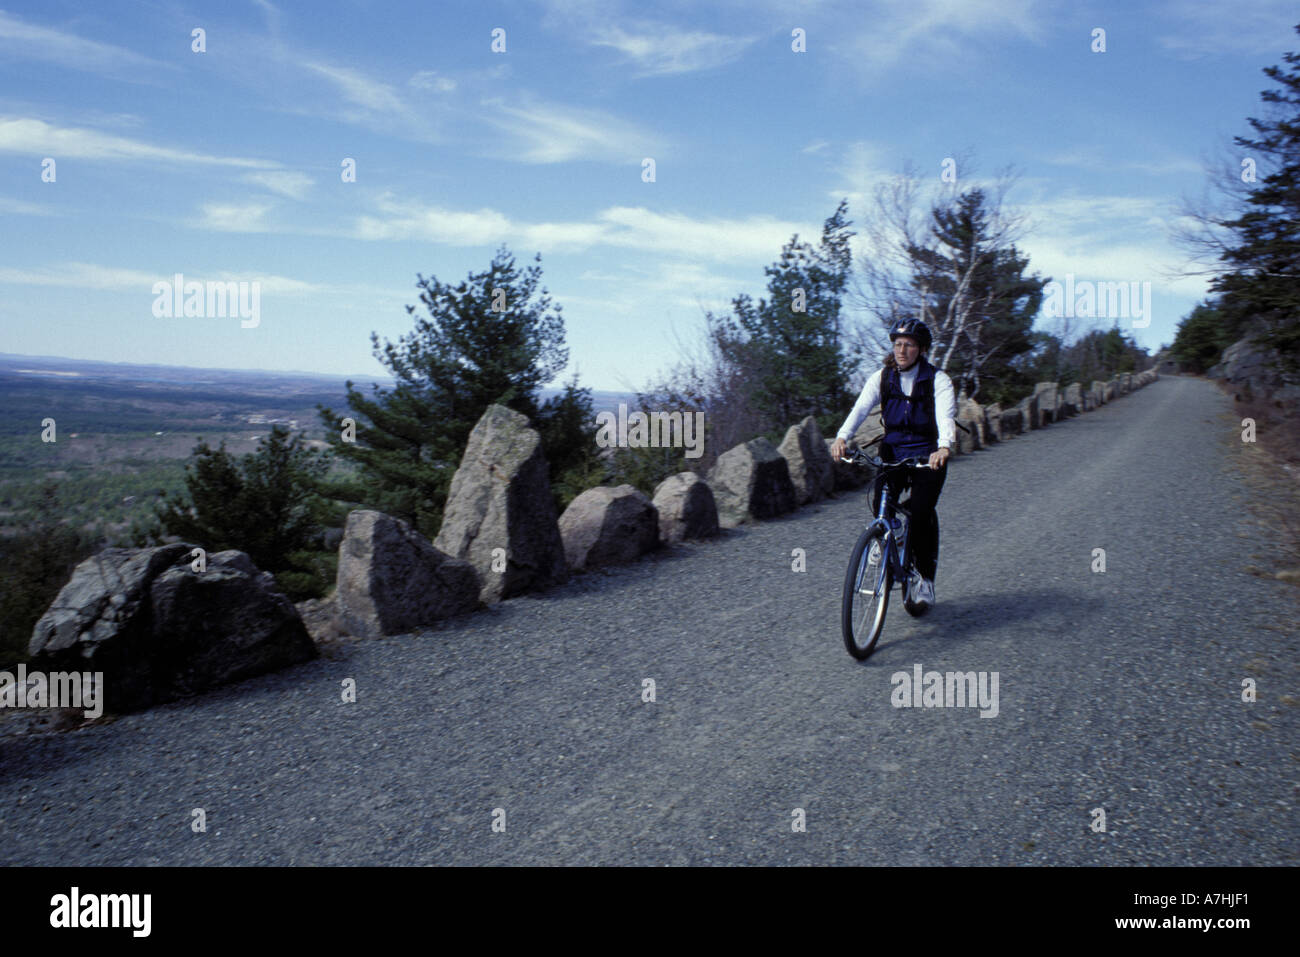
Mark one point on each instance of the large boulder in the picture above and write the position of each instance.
(686, 509)
(751, 481)
(1112, 390)
(968, 436)
(1255, 371)
(1048, 399)
(993, 418)
(1029, 413)
(391, 580)
(1071, 400)
(868, 432)
(607, 526)
(971, 411)
(499, 514)
(160, 629)
(811, 468)
(1011, 422)
(1099, 390)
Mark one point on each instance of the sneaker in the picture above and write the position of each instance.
(923, 592)
(873, 556)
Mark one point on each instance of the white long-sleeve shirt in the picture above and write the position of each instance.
(945, 404)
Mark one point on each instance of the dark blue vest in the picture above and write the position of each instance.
(911, 427)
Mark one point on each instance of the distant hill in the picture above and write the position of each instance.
(125, 430)
(50, 377)
(57, 367)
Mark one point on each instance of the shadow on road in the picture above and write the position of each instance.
(1013, 613)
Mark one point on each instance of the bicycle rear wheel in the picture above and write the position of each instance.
(866, 595)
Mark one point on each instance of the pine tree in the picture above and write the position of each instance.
(1262, 289)
(493, 338)
(265, 503)
(1202, 337)
(35, 563)
(977, 300)
(790, 342)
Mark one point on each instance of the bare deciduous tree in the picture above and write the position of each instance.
(948, 257)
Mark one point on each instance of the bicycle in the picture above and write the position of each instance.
(870, 578)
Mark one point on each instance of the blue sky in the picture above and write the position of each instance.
(225, 165)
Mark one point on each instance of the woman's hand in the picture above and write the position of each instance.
(837, 448)
(939, 457)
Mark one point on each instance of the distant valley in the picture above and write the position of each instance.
(124, 431)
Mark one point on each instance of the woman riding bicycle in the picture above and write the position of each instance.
(919, 410)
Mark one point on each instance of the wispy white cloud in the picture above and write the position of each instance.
(433, 224)
(542, 132)
(368, 101)
(920, 33)
(361, 90)
(20, 40)
(658, 49)
(859, 168)
(1108, 238)
(19, 207)
(752, 239)
(665, 282)
(80, 275)
(1208, 28)
(34, 137)
(285, 182)
(748, 239)
(1096, 160)
(235, 217)
(431, 80)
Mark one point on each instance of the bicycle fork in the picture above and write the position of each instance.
(893, 544)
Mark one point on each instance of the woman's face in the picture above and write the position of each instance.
(906, 351)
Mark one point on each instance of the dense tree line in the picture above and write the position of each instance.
(35, 563)
(1255, 291)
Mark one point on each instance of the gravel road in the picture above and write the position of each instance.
(1118, 690)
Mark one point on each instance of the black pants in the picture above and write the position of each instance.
(924, 530)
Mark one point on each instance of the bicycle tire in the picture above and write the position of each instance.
(860, 639)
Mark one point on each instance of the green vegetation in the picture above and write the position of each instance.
(1255, 246)
(977, 299)
(1202, 337)
(1096, 355)
(492, 339)
(266, 503)
(34, 564)
(1260, 287)
(789, 343)
(94, 493)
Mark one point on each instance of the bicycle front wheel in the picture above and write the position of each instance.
(866, 594)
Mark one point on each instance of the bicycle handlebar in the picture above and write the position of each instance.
(858, 457)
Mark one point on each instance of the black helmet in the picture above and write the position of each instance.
(915, 328)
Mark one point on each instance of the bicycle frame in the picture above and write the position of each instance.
(885, 514)
(885, 519)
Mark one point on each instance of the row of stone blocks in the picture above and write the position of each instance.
(1049, 403)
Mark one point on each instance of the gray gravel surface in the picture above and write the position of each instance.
(1119, 690)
